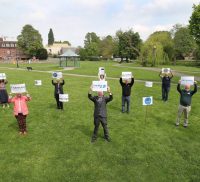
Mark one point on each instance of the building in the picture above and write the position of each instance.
(9, 50)
(56, 48)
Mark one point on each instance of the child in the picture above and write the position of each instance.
(3, 93)
(20, 110)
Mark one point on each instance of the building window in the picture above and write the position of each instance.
(7, 45)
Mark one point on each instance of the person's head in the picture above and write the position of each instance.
(165, 74)
(18, 95)
(187, 87)
(126, 81)
(100, 94)
(58, 80)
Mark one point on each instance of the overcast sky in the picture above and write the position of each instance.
(72, 19)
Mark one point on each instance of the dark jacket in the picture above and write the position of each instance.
(58, 87)
(126, 88)
(100, 104)
(186, 96)
(166, 80)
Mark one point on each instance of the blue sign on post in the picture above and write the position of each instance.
(147, 101)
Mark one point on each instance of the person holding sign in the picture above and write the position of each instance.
(58, 84)
(185, 102)
(20, 110)
(100, 112)
(126, 92)
(166, 80)
(3, 93)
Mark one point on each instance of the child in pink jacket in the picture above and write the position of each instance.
(21, 110)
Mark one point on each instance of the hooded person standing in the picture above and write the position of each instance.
(166, 82)
(185, 102)
(3, 93)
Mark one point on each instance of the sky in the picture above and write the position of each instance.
(72, 19)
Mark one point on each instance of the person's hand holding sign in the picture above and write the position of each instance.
(108, 89)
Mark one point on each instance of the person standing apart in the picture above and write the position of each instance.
(185, 102)
(100, 112)
(166, 80)
(126, 93)
(3, 93)
(58, 90)
(20, 110)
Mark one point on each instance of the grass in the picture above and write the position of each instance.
(58, 148)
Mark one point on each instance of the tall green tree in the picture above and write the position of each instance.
(50, 37)
(129, 43)
(29, 41)
(184, 43)
(194, 23)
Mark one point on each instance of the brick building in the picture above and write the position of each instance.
(9, 51)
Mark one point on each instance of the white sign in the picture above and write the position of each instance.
(38, 82)
(187, 80)
(166, 70)
(57, 75)
(18, 88)
(146, 101)
(2, 76)
(99, 86)
(126, 75)
(149, 84)
(63, 97)
(101, 71)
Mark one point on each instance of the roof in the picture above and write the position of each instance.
(69, 53)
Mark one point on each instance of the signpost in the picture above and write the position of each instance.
(187, 80)
(63, 97)
(2, 76)
(147, 101)
(18, 88)
(99, 86)
(57, 75)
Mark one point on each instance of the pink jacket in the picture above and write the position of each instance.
(20, 105)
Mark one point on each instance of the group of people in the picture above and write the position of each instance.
(20, 109)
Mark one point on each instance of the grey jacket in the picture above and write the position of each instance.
(100, 104)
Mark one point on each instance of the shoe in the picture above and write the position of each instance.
(176, 124)
(25, 133)
(185, 126)
(20, 133)
(3, 106)
(8, 106)
(93, 139)
(108, 139)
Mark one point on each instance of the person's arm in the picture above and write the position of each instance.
(63, 82)
(171, 74)
(132, 82)
(28, 97)
(110, 98)
(120, 81)
(195, 88)
(178, 87)
(53, 83)
(160, 74)
(92, 98)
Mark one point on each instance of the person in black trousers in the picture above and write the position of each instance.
(100, 113)
(58, 90)
(126, 92)
(166, 80)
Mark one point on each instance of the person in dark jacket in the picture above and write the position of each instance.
(58, 90)
(166, 80)
(126, 93)
(185, 102)
(100, 113)
(3, 93)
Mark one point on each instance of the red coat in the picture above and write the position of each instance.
(20, 105)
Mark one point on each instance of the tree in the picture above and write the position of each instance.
(129, 44)
(194, 23)
(29, 41)
(42, 54)
(184, 43)
(50, 37)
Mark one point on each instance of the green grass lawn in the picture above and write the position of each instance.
(57, 147)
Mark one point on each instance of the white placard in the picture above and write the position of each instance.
(187, 80)
(63, 97)
(18, 88)
(101, 71)
(99, 86)
(126, 75)
(38, 82)
(149, 84)
(2, 76)
(146, 101)
(166, 70)
(57, 75)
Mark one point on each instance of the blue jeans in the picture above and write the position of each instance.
(165, 93)
(126, 100)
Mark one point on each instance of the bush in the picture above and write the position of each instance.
(42, 54)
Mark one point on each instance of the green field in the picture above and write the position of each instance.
(58, 148)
